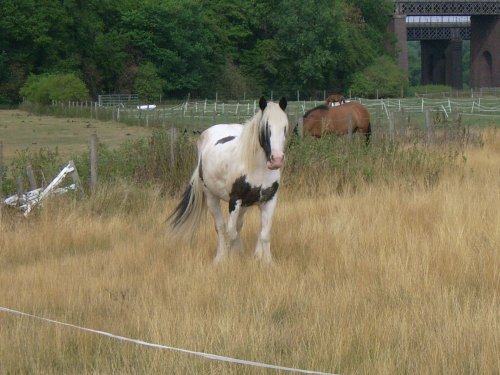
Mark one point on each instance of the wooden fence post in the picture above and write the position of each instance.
(390, 121)
(19, 188)
(31, 177)
(172, 147)
(428, 125)
(300, 125)
(76, 178)
(1, 169)
(402, 121)
(93, 162)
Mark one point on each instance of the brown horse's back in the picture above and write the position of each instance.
(324, 120)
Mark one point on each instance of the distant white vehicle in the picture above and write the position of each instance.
(147, 106)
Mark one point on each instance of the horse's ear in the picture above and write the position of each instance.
(262, 103)
(283, 103)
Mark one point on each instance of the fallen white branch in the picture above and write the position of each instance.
(29, 200)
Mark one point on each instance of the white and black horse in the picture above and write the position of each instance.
(239, 164)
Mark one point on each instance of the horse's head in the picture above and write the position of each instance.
(335, 98)
(272, 131)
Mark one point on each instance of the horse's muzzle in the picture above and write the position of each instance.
(275, 162)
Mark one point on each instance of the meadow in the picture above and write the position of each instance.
(382, 268)
(20, 130)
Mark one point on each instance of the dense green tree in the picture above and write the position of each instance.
(238, 46)
(383, 78)
(179, 40)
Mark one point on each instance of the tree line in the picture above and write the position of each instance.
(179, 47)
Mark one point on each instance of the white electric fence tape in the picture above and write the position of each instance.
(164, 347)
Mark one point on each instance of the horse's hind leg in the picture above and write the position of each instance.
(263, 248)
(213, 204)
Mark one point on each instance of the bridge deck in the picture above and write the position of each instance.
(447, 7)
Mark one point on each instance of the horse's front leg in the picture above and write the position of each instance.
(263, 248)
(213, 204)
(234, 225)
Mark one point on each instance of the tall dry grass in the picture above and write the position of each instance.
(394, 278)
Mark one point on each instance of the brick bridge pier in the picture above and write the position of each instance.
(441, 42)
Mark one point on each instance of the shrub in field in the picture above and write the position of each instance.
(43, 89)
(345, 164)
(383, 77)
(46, 165)
(145, 161)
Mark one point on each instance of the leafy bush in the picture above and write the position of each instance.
(46, 165)
(45, 88)
(383, 77)
(148, 84)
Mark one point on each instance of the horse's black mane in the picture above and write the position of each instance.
(321, 106)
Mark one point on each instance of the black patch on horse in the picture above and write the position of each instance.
(248, 194)
(265, 140)
(225, 139)
(268, 193)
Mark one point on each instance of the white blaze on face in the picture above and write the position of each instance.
(278, 126)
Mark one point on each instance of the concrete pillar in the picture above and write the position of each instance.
(485, 51)
(398, 27)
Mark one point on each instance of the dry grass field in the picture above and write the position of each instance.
(21, 130)
(390, 279)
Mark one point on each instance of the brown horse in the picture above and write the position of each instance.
(335, 120)
(333, 99)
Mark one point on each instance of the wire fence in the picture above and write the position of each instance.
(195, 116)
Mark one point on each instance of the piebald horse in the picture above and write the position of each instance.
(239, 164)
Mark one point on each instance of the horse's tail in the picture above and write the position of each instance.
(368, 134)
(186, 217)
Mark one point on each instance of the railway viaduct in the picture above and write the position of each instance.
(441, 26)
